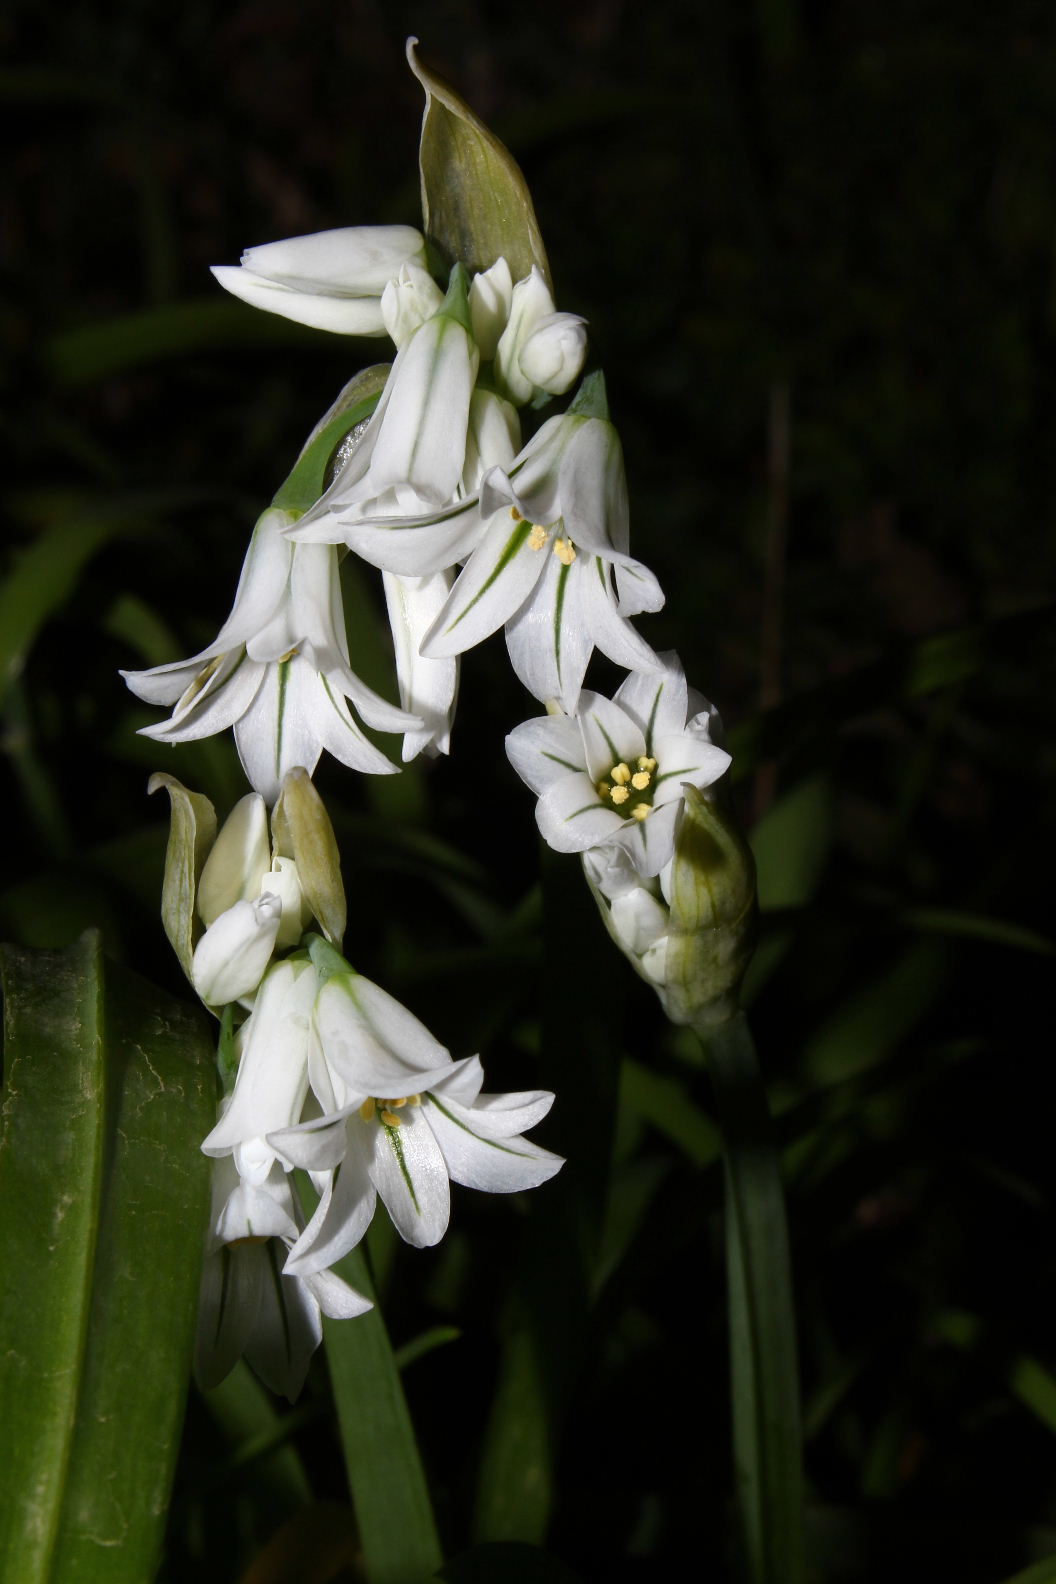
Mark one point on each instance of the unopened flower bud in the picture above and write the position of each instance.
(490, 295)
(231, 958)
(553, 354)
(301, 830)
(283, 881)
(711, 891)
(408, 301)
(239, 859)
(530, 304)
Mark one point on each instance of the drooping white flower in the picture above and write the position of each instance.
(278, 671)
(403, 1120)
(613, 773)
(332, 280)
(272, 1079)
(551, 562)
(248, 1305)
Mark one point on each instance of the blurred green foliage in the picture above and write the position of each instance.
(815, 247)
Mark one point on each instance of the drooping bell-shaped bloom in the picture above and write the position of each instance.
(248, 1306)
(551, 562)
(278, 671)
(613, 773)
(332, 280)
(403, 1121)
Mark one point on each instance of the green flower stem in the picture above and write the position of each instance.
(765, 1392)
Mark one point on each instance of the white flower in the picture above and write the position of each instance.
(552, 542)
(278, 671)
(272, 1079)
(248, 1304)
(427, 687)
(404, 1120)
(410, 457)
(613, 774)
(332, 280)
(539, 349)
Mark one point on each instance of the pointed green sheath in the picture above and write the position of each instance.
(191, 835)
(476, 206)
(103, 1200)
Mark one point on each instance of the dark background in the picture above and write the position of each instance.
(815, 244)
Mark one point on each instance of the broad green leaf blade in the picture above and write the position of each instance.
(259, 1433)
(191, 835)
(764, 1376)
(154, 1208)
(51, 1162)
(385, 1473)
(476, 206)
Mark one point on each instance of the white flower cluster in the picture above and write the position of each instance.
(333, 1075)
(475, 523)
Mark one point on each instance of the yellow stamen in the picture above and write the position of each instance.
(640, 780)
(604, 788)
(367, 1109)
(516, 515)
(414, 1099)
(620, 794)
(641, 811)
(395, 1104)
(288, 655)
(390, 1119)
(645, 763)
(620, 774)
(565, 551)
(537, 537)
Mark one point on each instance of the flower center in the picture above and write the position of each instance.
(630, 792)
(564, 549)
(386, 1109)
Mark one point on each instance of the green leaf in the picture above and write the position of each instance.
(103, 1199)
(191, 835)
(161, 1103)
(385, 1474)
(51, 1169)
(476, 206)
(664, 1103)
(310, 474)
(767, 1433)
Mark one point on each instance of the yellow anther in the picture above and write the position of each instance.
(565, 551)
(620, 794)
(645, 763)
(390, 1119)
(641, 811)
(604, 788)
(394, 1105)
(288, 655)
(620, 774)
(537, 537)
(414, 1099)
(367, 1110)
(516, 515)
(640, 780)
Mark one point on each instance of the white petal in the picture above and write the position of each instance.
(340, 735)
(341, 315)
(409, 1173)
(252, 1211)
(493, 437)
(473, 1157)
(685, 758)
(272, 1075)
(230, 959)
(553, 354)
(287, 1332)
(462, 1081)
(611, 632)
(163, 684)
(335, 1297)
(571, 816)
(408, 301)
(592, 487)
(357, 260)
(530, 302)
(239, 859)
(228, 1306)
(223, 700)
(636, 587)
(650, 843)
(545, 749)
(610, 735)
(502, 1115)
(342, 1215)
(422, 440)
(499, 577)
(427, 687)
(549, 638)
(400, 1030)
(316, 1146)
(656, 702)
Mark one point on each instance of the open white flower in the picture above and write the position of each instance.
(278, 671)
(332, 280)
(551, 562)
(613, 773)
(248, 1304)
(403, 1121)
